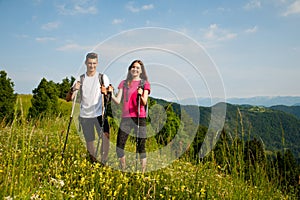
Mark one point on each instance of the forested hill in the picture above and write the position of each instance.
(295, 110)
(278, 126)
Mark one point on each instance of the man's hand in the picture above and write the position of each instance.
(110, 89)
(103, 90)
(76, 86)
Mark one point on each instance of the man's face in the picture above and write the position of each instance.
(91, 64)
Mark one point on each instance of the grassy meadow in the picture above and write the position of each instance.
(31, 167)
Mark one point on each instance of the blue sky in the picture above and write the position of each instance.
(253, 44)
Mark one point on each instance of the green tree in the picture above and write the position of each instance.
(198, 141)
(45, 100)
(288, 173)
(7, 98)
(254, 152)
(254, 157)
(64, 87)
(158, 117)
(170, 128)
(224, 151)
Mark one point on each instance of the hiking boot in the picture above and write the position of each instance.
(103, 162)
(92, 159)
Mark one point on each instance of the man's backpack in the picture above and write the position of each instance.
(69, 94)
(82, 76)
(100, 76)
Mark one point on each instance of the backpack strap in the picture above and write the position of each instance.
(142, 84)
(125, 85)
(82, 76)
(100, 76)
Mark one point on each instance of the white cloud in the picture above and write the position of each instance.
(294, 8)
(253, 4)
(210, 33)
(222, 9)
(50, 26)
(132, 8)
(217, 34)
(78, 7)
(252, 30)
(147, 7)
(74, 47)
(44, 39)
(228, 36)
(21, 36)
(117, 21)
(37, 2)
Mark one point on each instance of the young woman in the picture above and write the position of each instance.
(136, 86)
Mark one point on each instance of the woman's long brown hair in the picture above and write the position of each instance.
(143, 74)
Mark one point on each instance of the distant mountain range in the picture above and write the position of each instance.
(265, 101)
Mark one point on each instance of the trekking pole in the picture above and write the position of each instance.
(105, 100)
(104, 103)
(138, 131)
(70, 121)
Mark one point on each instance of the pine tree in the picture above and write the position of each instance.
(170, 128)
(64, 87)
(7, 98)
(45, 100)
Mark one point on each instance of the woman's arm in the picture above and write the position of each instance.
(116, 98)
(144, 95)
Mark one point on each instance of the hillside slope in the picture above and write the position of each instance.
(294, 110)
(278, 127)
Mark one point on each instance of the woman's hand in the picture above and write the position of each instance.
(140, 91)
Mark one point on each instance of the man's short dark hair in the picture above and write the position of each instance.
(92, 55)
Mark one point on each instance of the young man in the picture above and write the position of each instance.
(91, 115)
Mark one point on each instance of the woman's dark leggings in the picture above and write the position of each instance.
(127, 124)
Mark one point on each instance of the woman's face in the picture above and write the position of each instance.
(136, 70)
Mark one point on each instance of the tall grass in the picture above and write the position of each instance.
(32, 168)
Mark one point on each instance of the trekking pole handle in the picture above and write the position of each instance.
(140, 91)
(103, 89)
(73, 105)
(110, 89)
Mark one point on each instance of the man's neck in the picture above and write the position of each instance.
(91, 73)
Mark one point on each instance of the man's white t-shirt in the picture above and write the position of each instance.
(91, 97)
